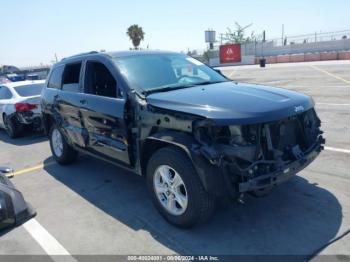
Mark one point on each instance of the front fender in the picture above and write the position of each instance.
(210, 175)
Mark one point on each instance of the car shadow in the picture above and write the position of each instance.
(297, 218)
(27, 138)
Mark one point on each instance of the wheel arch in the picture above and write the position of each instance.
(210, 175)
(2, 120)
(48, 121)
(151, 144)
(9, 116)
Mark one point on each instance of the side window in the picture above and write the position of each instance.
(5, 93)
(99, 81)
(71, 76)
(55, 78)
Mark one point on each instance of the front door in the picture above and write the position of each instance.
(103, 113)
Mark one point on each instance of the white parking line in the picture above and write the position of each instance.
(309, 86)
(231, 74)
(337, 149)
(330, 74)
(332, 104)
(51, 246)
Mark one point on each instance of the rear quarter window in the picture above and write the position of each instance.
(55, 80)
(71, 77)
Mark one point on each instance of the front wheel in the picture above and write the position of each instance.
(176, 189)
(62, 152)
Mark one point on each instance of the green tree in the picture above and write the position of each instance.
(238, 35)
(206, 56)
(136, 35)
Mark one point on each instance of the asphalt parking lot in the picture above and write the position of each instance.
(95, 208)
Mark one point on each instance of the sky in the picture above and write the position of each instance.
(33, 31)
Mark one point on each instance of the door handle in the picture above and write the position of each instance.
(83, 102)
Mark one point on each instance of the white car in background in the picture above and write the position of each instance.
(20, 106)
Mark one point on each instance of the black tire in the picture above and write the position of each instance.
(200, 204)
(69, 155)
(261, 192)
(13, 128)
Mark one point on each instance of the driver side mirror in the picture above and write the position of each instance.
(219, 71)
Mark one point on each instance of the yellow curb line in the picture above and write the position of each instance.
(31, 169)
(330, 74)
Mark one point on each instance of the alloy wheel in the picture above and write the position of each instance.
(170, 190)
(57, 142)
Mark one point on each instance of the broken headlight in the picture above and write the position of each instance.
(233, 135)
(230, 142)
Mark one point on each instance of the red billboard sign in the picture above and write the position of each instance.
(230, 53)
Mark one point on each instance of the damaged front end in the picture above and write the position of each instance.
(258, 156)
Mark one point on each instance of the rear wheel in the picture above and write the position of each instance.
(62, 152)
(13, 128)
(176, 189)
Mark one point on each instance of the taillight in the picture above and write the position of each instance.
(25, 107)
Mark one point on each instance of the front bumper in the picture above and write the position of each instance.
(278, 177)
(283, 174)
(223, 178)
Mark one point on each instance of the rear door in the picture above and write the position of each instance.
(102, 111)
(67, 102)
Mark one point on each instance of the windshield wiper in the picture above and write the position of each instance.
(163, 89)
(207, 83)
(172, 87)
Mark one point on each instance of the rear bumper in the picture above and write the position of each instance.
(30, 118)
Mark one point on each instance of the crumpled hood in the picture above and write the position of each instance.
(234, 103)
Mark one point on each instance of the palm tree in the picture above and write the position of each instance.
(135, 34)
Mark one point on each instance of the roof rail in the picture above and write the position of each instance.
(81, 54)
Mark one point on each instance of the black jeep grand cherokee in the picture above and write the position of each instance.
(194, 134)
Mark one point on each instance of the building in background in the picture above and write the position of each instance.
(302, 48)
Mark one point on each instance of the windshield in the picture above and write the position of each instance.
(156, 71)
(29, 90)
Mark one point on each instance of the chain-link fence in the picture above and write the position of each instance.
(317, 43)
